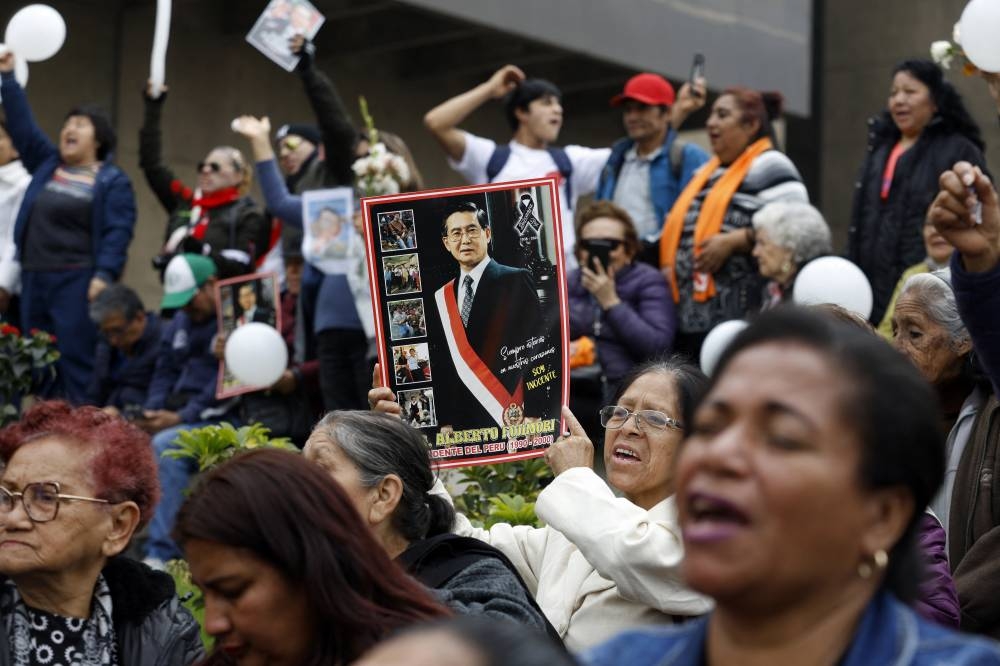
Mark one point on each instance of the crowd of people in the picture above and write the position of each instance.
(824, 497)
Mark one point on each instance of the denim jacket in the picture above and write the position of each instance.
(890, 633)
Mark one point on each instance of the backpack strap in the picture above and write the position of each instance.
(497, 161)
(437, 559)
(565, 167)
(677, 157)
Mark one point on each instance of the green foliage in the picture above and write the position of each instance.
(215, 444)
(25, 362)
(189, 594)
(502, 493)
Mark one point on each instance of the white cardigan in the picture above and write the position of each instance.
(602, 564)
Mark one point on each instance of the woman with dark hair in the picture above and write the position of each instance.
(925, 129)
(623, 304)
(290, 572)
(76, 485)
(708, 235)
(800, 490)
(385, 467)
(603, 562)
(467, 641)
(73, 228)
(218, 214)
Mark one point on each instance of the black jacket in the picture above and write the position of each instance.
(151, 625)
(885, 237)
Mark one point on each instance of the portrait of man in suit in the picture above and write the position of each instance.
(487, 313)
(249, 309)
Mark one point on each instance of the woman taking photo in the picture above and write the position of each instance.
(605, 562)
(290, 573)
(77, 484)
(786, 237)
(707, 239)
(923, 131)
(623, 304)
(800, 491)
(73, 228)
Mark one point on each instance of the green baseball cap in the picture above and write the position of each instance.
(184, 274)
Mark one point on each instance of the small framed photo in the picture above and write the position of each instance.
(330, 241)
(240, 301)
(418, 408)
(412, 363)
(406, 319)
(397, 230)
(280, 21)
(401, 273)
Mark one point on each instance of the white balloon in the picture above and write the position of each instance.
(979, 27)
(836, 281)
(716, 342)
(36, 32)
(256, 354)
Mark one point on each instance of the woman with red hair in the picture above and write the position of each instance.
(77, 485)
(290, 572)
(708, 236)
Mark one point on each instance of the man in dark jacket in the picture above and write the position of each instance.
(182, 392)
(126, 353)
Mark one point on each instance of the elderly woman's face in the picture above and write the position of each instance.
(254, 613)
(76, 538)
(767, 485)
(774, 261)
(639, 459)
(925, 342)
(610, 229)
(728, 133)
(326, 453)
(219, 170)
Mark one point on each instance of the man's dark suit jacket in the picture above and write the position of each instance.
(505, 313)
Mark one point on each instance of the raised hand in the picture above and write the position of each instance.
(252, 127)
(572, 450)
(504, 80)
(689, 99)
(381, 398)
(953, 215)
(7, 61)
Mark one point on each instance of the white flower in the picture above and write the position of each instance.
(956, 34)
(941, 53)
(399, 167)
(360, 166)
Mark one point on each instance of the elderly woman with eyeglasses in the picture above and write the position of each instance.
(217, 213)
(77, 484)
(603, 562)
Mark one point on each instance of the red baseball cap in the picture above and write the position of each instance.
(647, 88)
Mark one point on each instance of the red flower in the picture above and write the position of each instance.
(34, 331)
(7, 329)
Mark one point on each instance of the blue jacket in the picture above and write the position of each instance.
(121, 380)
(114, 211)
(889, 633)
(663, 185)
(186, 365)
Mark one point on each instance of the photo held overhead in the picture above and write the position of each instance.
(470, 315)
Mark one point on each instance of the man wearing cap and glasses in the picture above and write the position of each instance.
(649, 168)
(182, 392)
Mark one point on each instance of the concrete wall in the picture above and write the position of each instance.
(863, 40)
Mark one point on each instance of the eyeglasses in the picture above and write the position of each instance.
(611, 243)
(455, 235)
(614, 417)
(40, 500)
(214, 167)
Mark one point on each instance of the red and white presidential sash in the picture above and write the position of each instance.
(471, 369)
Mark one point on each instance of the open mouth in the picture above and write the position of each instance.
(712, 518)
(624, 454)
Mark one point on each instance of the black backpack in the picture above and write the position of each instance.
(502, 153)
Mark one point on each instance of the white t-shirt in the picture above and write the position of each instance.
(526, 163)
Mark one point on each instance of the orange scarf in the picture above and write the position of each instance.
(713, 212)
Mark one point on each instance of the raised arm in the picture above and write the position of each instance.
(25, 134)
(158, 175)
(443, 119)
(258, 132)
(331, 115)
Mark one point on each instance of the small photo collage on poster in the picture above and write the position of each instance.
(403, 286)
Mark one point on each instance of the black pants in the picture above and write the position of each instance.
(344, 371)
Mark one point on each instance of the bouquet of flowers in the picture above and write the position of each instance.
(24, 362)
(380, 171)
(944, 52)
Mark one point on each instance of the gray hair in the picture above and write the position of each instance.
(936, 297)
(379, 445)
(115, 299)
(795, 226)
